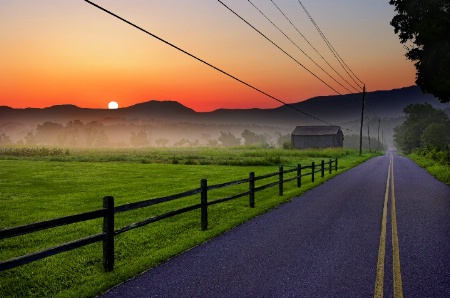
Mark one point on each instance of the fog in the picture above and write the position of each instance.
(122, 133)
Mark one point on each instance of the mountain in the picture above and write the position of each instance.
(337, 109)
(179, 124)
(161, 110)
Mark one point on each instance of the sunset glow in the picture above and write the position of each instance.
(69, 52)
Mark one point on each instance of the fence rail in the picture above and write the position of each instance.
(109, 210)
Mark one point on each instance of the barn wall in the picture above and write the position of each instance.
(304, 142)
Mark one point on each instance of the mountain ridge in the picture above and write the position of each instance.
(335, 108)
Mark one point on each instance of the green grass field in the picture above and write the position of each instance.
(438, 169)
(40, 187)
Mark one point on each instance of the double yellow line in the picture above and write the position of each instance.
(379, 282)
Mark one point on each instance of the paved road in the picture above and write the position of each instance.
(326, 243)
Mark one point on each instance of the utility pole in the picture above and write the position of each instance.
(362, 120)
(368, 136)
(378, 145)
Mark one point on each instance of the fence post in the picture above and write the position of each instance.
(280, 175)
(336, 165)
(313, 169)
(299, 175)
(322, 173)
(204, 203)
(108, 229)
(329, 167)
(251, 188)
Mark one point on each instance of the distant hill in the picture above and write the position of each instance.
(336, 109)
(178, 124)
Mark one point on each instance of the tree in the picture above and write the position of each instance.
(5, 139)
(102, 139)
(228, 139)
(162, 142)
(426, 24)
(251, 138)
(50, 133)
(435, 136)
(73, 130)
(140, 139)
(419, 129)
(92, 132)
(30, 139)
(180, 143)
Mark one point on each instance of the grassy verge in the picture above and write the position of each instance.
(437, 169)
(38, 188)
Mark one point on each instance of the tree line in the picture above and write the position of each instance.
(426, 131)
(95, 134)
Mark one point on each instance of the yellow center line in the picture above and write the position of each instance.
(379, 283)
(398, 289)
(397, 277)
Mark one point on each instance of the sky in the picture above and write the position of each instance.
(57, 52)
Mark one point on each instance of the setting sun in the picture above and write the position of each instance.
(113, 105)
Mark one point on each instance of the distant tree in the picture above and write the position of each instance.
(194, 143)
(213, 143)
(426, 24)
(282, 139)
(352, 141)
(50, 133)
(206, 136)
(415, 131)
(5, 139)
(251, 138)
(228, 139)
(180, 143)
(30, 139)
(102, 139)
(92, 131)
(162, 142)
(139, 139)
(73, 131)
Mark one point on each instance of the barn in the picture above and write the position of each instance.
(304, 137)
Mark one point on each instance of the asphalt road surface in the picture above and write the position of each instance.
(381, 229)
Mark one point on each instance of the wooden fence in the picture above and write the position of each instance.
(109, 210)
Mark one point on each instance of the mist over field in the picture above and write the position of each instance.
(170, 124)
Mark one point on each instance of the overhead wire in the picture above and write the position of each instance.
(348, 102)
(282, 32)
(204, 62)
(332, 49)
(321, 56)
(286, 53)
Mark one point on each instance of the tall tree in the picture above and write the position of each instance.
(424, 25)
(423, 126)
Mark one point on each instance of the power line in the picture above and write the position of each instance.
(267, 18)
(295, 27)
(204, 62)
(335, 53)
(278, 46)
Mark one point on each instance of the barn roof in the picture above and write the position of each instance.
(316, 130)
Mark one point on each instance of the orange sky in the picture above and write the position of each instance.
(69, 52)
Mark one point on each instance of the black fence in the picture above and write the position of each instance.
(109, 210)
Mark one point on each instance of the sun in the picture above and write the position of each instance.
(113, 105)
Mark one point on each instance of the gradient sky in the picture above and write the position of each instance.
(69, 52)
